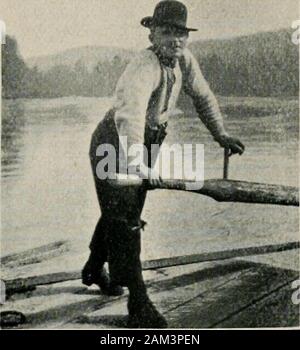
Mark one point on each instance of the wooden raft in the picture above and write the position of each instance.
(224, 294)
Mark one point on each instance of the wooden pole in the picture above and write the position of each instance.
(226, 163)
(225, 190)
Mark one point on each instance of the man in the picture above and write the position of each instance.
(146, 93)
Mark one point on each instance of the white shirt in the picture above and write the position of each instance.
(141, 93)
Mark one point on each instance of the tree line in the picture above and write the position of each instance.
(264, 64)
(260, 65)
(20, 81)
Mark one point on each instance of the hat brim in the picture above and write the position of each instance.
(148, 23)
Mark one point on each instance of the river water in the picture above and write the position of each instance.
(48, 191)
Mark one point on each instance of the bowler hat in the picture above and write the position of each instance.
(168, 12)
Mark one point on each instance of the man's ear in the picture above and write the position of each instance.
(151, 37)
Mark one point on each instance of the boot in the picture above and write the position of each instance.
(11, 318)
(100, 277)
(143, 314)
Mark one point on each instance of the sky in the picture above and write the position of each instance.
(44, 27)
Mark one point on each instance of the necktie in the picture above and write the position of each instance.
(168, 65)
(171, 79)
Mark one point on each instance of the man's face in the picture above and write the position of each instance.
(170, 41)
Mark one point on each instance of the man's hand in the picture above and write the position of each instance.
(232, 143)
(150, 174)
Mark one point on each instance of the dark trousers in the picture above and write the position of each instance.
(117, 236)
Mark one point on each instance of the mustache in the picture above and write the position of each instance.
(172, 46)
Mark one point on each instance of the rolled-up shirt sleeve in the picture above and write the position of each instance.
(203, 98)
(132, 96)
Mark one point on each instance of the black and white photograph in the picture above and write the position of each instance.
(149, 166)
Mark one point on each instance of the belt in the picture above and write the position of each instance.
(163, 125)
(158, 127)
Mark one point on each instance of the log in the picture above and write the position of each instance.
(219, 255)
(28, 283)
(35, 255)
(225, 190)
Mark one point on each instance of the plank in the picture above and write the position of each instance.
(220, 255)
(166, 293)
(27, 283)
(276, 310)
(213, 308)
(51, 305)
(55, 303)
